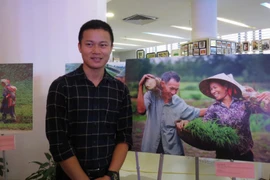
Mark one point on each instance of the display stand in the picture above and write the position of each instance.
(197, 168)
(137, 166)
(160, 166)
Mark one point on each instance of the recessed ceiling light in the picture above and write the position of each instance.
(141, 40)
(164, 35)
(124, 44)
(183, 42)
(233, 22)
(182, 27)
(109, 14)
(266, 4)
(114, 47)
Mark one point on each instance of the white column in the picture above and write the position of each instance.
(204, 19)
(45, 33)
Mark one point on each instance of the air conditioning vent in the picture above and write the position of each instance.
(140, 19)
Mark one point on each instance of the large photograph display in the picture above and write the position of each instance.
(236, 126)
(16, 97)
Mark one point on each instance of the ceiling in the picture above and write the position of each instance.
(178, 12)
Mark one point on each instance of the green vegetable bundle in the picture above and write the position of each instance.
(209, 135)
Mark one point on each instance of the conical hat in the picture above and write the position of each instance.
(236, 87)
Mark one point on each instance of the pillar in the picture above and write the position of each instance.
(204, 19)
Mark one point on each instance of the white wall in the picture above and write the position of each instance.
(43, 33)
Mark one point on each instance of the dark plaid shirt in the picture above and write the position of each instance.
(87, 121)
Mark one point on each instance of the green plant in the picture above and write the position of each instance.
(46, 170)
(2, 167)
(210, 131)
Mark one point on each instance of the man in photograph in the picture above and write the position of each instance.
(164, 108)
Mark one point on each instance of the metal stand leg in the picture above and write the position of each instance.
(197, 168)
(137, 166)
(160, 167)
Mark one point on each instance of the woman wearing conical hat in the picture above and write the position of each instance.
(230, 109)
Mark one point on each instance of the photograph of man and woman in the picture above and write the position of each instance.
(207, 106)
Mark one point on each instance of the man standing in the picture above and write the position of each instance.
(164, 108)
(89, 116)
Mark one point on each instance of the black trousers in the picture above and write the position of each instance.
(91, 173)
(234, 155)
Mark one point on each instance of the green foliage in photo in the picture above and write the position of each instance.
(210, 131)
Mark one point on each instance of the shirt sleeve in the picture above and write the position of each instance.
(147, 99)
(189, 112)
(57, 122)
(124, 123)
(210, 114)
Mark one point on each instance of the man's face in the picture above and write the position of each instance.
(170, 88)
(95, 48)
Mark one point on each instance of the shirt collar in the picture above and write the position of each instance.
(107, 77)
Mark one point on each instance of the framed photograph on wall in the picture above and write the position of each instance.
(163, 54)
(196, 52)
(233, 45)
(224, 44)
(255, 45)
(219, 51)
(202, 44)
(265, 44)
(196, 45)
(175, 52)
(219, 44)
(203, 51)
(140, 54)
(245, 46)
(238, 48)
(190, 47)
(151, 55)
(229, 45)
(213, 50)
(213, 42)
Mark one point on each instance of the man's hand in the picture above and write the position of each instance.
(146, 76)
(180, 125)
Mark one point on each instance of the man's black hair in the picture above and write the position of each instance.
(96, 24)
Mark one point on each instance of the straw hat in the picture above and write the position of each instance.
(236, 87)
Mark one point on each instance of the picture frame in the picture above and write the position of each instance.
(163, 54)
(203, 51)
(213, 42)
(219, 43)
(140, 54)
(245, 46)
(229, 45)
(238, 49)
(219, 50)
(185, 47)
(224, 44)
(195, 45)
(213, 50)
(175, 52)
(190, 47)
(233, 45)
(151, 55)
(255, 45)
(202, 44)
(196, 52)
(265, 44)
